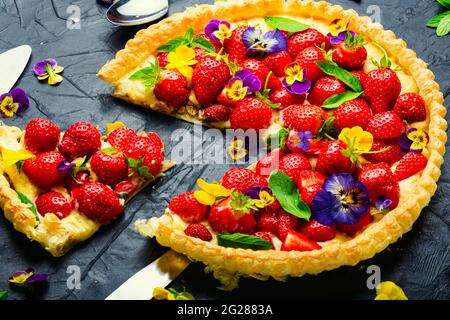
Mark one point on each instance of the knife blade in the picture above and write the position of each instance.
(12, 64)
(159, 273)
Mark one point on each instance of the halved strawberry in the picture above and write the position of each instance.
(309, 183)
(298, 242)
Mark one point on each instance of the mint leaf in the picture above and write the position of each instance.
(443, 27)
(29, 204)
(3, 295)
(245, 241)
(338, 99)
(148, 75)
(286, 24)
(345, 76)
(434, 22)
(189, 35)
(202, 43)
(109, 150)
(171, 45)
(327, 130)
(444, 3)
(286, 192)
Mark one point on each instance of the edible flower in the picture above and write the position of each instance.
(342, 199)
(382, 203)
(13, 102)
(182, 60)
(358, 142)
(27, 278)
(219, 30)
(298, 141)
(110, 127)
(171, 294)
(11, 157)
(211, 193)
(261, 195)
(339, 31)
(388, 290)
(237, 150)
(65, 165)
(414, 140)
(296, 81)
(48, 69)
(242, 84)
(258, 42)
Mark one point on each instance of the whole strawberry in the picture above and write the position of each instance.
(409, 165)
(41, 135)
(188, 208)
(286, 98)
(121, 138)
(277, 62)
(331, 160)
(361, 75)
(80, 139)
(234, 46)
(199, 231)
(267, 221)
(109, 169)
(162, 59)
(392, 153)
(410, 107)
(251, 113)
(241, 179)
(385, 125)
(305, 39)
(258, 69)
(269, 162)
(216, 113)
(318, 232)
(209, 77)
(351, 53)
(303, 117)
(53, 202)
(266, 236)
(286, 222)
(151, 148)
(292, 164)
(324, 88)
(43, 172)
(98, 202)
(172, 88)
(307, 59)
(352, 113)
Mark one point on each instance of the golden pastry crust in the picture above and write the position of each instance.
(55, 235)
(415, 194)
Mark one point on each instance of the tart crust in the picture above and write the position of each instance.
(55, 235)
(227, 263)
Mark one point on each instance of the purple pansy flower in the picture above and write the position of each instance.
(258, 42)
(39, 67)
(65, 165)
(249, 81)
(340, 37)
(218, 29)
(414, 140)
(383, 203)
(27, 277)
(298, 141)
(253, 192)
(296, 81)
(342, 199)
(13, 102)
(48, 69)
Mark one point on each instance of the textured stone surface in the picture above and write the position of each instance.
(419, 262)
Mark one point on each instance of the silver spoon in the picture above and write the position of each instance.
(134, 12)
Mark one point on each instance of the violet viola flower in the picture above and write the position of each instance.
(48, 69)
(65, 165)
(258, 42)
(339, 31)
(383, 203)
(414, 140)
(13, 102)
(298, 141)
(27, 277)
(261, 195)
(296, 81)
(253, 192)
(218, 30)
(242, 84)
(341, 200)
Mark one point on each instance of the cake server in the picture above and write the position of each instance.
(12, 64)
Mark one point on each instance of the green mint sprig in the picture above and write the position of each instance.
(441, 21)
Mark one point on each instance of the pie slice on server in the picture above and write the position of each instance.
(60, 188)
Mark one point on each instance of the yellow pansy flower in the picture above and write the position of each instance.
(223, 32)
(294, 73)
(357, 139)
(419, 139)
(211, 192)
(388, 290)
(337, 26)
(11, 157)
(182, 60)
(110, 127)
(237, 91)
(8, 107)
(265, 199)
(236, 150)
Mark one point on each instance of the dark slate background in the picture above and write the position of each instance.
(419, 262)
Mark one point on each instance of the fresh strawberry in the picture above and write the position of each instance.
(199, 231)
(385, 125)
(126, 188)
(109, 169)
(265, 235)
(210, 75)
(349, 58)
(233, 215)
(273, 207)
(361, 75)
(410, 107)
(286, 222)
(223, 98)
(352, 229)
(267, 221)
(382, 88)
(277, 62)
(98, 202)
(298, 242)
(217, 45)
(303, 117)
(251, 113)
(352, 113)
(162, 59)
(216, 113)
(305, 39)
(81, 139)
(41, 135)
(121, 138)
(324, 88)
(53, 202)
(409, 165)
(331, 160)
(258, 68)
(380, 182)
(43, 172)
(188, 208)
(307, 59)
(76, 181)
(269, 162)
(314, 145)
(241, 179)
(309, 183)
(234, 46)
(292, 164)
(286, 98)
(318, 232)
(392, 154)
(151, 148)
(200, 53)
(172, 88)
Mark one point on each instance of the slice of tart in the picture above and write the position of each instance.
(358, 120)
(60, 188)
